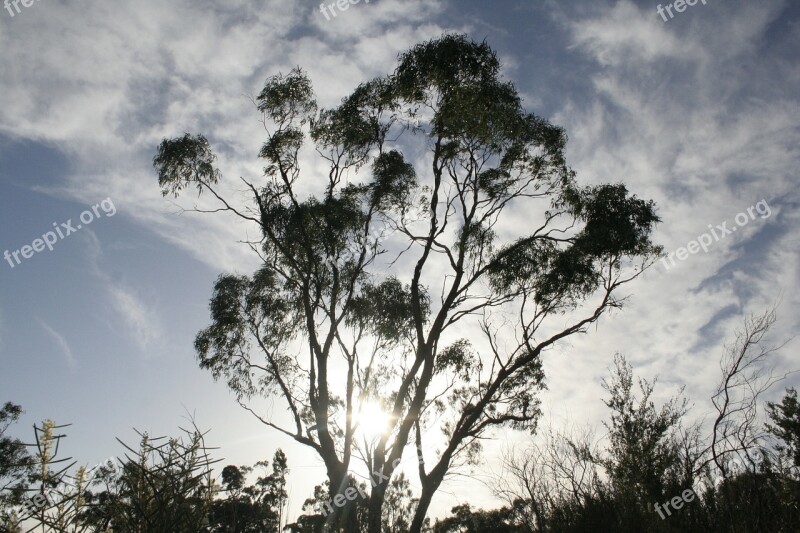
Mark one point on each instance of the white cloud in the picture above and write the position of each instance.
(135, 74)
(59, 339)
(626, 34)
(689, 115)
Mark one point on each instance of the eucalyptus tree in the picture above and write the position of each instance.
(442, 248)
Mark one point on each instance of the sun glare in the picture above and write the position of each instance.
(372, 420)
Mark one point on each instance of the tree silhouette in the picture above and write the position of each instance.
(165, 485)
(785, 418)
(16, 465)
(465, 520)
(445, 207)
(252, 508)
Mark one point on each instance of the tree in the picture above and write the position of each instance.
(255, 508)
(44, 492)
(567, 484)
(54, 503)
(644, 452)
(164, 486)
(557, 472)
(465, 520)
(785, 425)
(400, 505)
(15, 465)
(736, 432)
(225, 513)
(650, 458)
(341, 312)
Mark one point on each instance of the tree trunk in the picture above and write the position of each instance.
(429, 488)
(336, 485)
(376, 500)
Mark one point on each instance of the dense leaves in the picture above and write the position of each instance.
(183, 161)
(15, 461)
(465, 520)
(785, 418)
(285, 98)
(385, 310)
(394, 181)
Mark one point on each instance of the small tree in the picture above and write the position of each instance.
(569, 484)
(49, 496)
(399, 507)
(15, 467)
(651, 458)
(644, 451)
(51, 500)
(737, 432)
(319, 515)
(165, 486)
(785, 425)
(255, 508)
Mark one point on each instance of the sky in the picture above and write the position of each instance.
(699, 112)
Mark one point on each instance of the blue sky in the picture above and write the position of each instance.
(700, 113)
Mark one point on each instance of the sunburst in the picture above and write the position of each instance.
(372, 419)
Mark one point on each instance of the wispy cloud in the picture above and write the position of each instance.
(701, 115)
(141, 320)
(144, 327)
(134, 84)
(61, 342)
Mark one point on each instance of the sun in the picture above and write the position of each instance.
(372, 419)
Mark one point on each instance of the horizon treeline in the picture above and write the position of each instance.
(650, 472)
